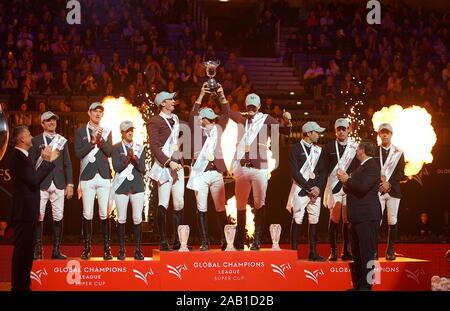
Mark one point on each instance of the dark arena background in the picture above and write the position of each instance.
(135, 49)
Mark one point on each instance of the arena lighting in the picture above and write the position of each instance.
(306, 113)
(299, 103)
(291, 93)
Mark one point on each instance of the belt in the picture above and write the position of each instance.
(247, 164)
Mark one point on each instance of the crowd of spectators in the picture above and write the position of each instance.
(403, 60)
(122, 48)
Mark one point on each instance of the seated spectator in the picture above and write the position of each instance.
(242, 91)
(42, 107)
(60, 47)
(293, 46)
(310, 45)
(46, 85)
(23, 117)
(313, 76)
(394, 83)
(332, 69)
(424, 228)
(268, 105)
(442, 108)
(228, 84)
(128, 31)
(231, 64)
(63, 107)
(324, 44)
(88, 86)
(330, 93)
(347, 85)
(446, 73)
(89, 39)
(98, 68)
(9, 83)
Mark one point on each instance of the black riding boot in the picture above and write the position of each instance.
(259, 225)
(222, 219)
(203, 226)
(121, 229)
(240, 230)
(87, 236)
(347, 250)
(161, 218)
(105, 231)
(392, 237)
(57, 231)
(332, 237)
(137, 237)
(38, 240)
(312, 255)
(295, 232)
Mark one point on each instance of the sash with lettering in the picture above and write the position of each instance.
(158, 172)
(249, 136)
(202, 161)
(58, 142)
(90, 157)
(307, 168)
(127, 173)
(391, 162)
(343, 164)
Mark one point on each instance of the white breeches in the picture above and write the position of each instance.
(210, 181)
(176, 187)
(137, 204)
(299, 204)
(250, 178)
(340, 204)
(97, 186)
(391, 204)
(56, 197)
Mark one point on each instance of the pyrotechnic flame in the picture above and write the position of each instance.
(232, 212)
(413, 133)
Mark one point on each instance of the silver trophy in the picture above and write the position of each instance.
(183, 233)
(230, 232)
(275, 232)
(4, 133)
(211, 70)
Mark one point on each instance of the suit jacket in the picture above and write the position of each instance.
(362, 193)
(261, 138)
(120, 162)
(83, 147)
(158, 133)
(62, 173)
(298, 158)
(328, 158)
(398, 174)
(26, 198)
(196, 129)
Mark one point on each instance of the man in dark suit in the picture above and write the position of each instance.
(25, 203)
(364, 212)
(55, 186)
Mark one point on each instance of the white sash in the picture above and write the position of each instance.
(307, 168)
(391, 162)
(249, 136)
(119, 178)
(202, 161)
(58, 142)
(343, 164)
(158, 172)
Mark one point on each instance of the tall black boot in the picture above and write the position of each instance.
(377, 234)
(222, 219)
(38, 240)
(203, 226)
(259, 225)
(87, 236)
(312, 255)
(137, 237)
(177, 218)
(161, 218)
(57, 231)
(105, 231)
(121, 230)
(347, 250)
(239, 239)
(392, 237)
(332, 237)
(295, 232)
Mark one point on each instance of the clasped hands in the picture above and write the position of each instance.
(342, 176)
(49, 155)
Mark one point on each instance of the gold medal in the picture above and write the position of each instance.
(130, 177)
(339, 172)
(211, 157)
(312, 175)
(92, 159)
(175, 147)
(383, 178)
(247, 148)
